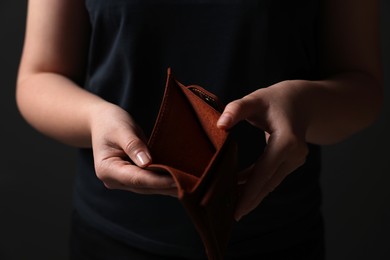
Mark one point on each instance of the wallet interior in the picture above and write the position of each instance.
(185, 136)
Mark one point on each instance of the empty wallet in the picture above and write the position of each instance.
(201, 158)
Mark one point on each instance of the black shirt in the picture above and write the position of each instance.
(231, 48)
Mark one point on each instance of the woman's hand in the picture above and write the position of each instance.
(273, 109)
(120, 154)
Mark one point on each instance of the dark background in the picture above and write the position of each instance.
(36, 173)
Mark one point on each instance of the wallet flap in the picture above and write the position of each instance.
(201, 158)
(178, 138)
(185, 182)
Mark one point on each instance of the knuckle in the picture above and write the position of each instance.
(135, 179)
(292, 142)
(133, 146)
(135, 182)
(301, 152)
(298, 149)
(101, 170)
(235, 106)
(301, 160)
(305, 151)
(109, 185)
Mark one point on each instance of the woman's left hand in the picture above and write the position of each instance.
(347, 99)
(276, 111)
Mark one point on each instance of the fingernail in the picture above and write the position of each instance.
(224, 120)
(143, 158)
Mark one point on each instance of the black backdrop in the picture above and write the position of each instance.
(36, 173)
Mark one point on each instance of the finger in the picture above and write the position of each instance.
(172, 192)
(275, 154)
(135, 148)
(119, 174)
(295, 159)
(244, 174)
(238, 110)
(284, 170)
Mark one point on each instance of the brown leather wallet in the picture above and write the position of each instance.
(201, 158)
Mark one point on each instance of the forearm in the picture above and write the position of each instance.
(338, 107)
(57, 107)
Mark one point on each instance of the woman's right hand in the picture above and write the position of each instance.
(50, 100)
(121, 154)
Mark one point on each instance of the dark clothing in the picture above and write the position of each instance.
(229, 47)
(87, 243)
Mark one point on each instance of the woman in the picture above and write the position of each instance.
(305, 72)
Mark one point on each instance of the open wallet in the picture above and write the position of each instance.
(201, 158)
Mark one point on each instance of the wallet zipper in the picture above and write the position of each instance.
(207, 98)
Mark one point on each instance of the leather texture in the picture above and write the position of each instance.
(201, 158)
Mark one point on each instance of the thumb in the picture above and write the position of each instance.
(136, 149)
(235, 112)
